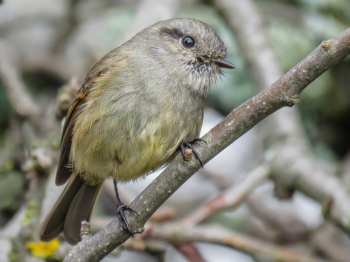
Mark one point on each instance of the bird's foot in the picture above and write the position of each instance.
(123, 222)
(188, 145)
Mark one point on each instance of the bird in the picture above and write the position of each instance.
(138, 107)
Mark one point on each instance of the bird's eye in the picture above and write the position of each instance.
(188, 42)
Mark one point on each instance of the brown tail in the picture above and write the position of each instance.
(73, 206)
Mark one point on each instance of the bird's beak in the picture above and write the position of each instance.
(223, 63)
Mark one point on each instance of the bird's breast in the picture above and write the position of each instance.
(133, 134)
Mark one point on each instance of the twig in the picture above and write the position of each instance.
(246, 23)
(177, 233)
(85, 230)
(66, 95)
(189, 251)
(56, 65)
(292, 170)
(232, 197)
(15, 87)
(284, 92)
(330, 242)
(279, 217)
(70, 25)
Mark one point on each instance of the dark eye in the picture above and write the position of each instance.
(188, 42)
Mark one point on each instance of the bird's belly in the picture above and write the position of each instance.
(131, 147)
(154, 146)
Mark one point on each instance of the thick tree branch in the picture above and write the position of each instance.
(288, 145)
(284, 92)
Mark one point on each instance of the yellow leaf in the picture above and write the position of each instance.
(43, 249)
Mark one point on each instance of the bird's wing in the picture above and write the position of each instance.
(65, 168)
(64, 171)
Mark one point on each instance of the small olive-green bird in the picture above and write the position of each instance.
(138, 105)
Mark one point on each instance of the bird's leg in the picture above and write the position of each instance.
(121, 207)
(188, 144)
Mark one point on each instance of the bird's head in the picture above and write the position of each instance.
(189, 50)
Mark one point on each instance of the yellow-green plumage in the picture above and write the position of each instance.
(135, 108)
(123, 133)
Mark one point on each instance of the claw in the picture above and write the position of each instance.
(123, 222)
(122, 218)
(189, 144)
(198, 140)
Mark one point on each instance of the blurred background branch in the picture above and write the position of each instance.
(284, 184)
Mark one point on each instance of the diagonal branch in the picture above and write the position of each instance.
(290, 157)
(284, 92)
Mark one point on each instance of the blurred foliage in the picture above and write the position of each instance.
(325, 104)
(295, 28)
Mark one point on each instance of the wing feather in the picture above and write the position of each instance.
(64, 170)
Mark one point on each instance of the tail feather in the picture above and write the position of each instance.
(73, 206)
(79, 210)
